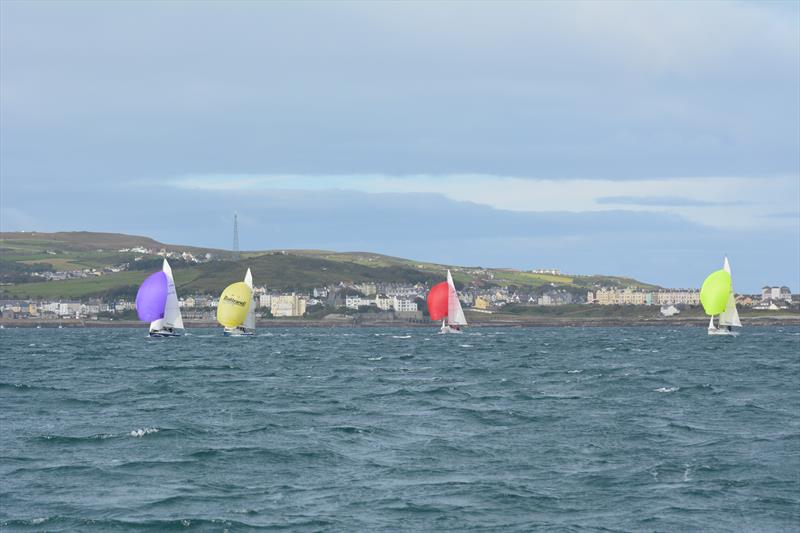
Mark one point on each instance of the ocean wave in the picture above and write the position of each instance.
(69, 439)
(155, 464)
(25, 387)
(667, 389)
(186, 368)
(65, 523)
(141, 432)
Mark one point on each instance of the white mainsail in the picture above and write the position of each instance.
(455, 315)
(250, 320)
(730, 316)
(172, 312)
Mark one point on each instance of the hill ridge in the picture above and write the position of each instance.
(25, 256)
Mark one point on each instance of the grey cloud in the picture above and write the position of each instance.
(655, 247)
(132, 89)
(662, 201)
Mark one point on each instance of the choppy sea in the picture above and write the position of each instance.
(551, 429)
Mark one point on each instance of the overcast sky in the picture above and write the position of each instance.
(633, 138)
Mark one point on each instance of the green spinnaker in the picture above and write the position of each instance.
(715, 291)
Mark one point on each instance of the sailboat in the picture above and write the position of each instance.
(717, 298)
(157, 303)
(236, 310)
(443, 305)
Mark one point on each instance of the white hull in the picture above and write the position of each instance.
(444, 330)
(238, 332)
(723, 331)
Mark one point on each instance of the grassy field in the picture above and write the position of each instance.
(75, 288)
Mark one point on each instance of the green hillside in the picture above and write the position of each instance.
(23, 253)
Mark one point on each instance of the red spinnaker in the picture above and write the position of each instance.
(437, 301)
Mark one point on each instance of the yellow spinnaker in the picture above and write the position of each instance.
(715, 292)
(233, 304)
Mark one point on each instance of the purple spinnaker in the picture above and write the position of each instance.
(152, 297)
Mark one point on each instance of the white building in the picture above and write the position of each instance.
(265, 300)
(320, 292)
(90, 309)
(669, 310)
(287, 305)
(384, 303)
(555, 298)
(404, 291)
(69, 309)
(404, 306)
(354, 302)
(776, 293)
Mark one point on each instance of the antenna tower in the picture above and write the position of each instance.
(235, 236)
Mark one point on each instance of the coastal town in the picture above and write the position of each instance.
(392, 300)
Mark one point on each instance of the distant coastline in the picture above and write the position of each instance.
(785, 320)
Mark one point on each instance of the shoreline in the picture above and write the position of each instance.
(793, 320)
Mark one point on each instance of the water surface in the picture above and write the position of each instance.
(567, 429)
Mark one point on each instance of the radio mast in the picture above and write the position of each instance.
(235, 236)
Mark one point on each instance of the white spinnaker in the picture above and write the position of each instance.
(250, 319)
(730, 316)
(455, 315)
(172, 312)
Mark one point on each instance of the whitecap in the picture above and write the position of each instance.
(465, 345)
(401, 336)
(667, 389)
(374, 358)
(574, 371)
(141, 432)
